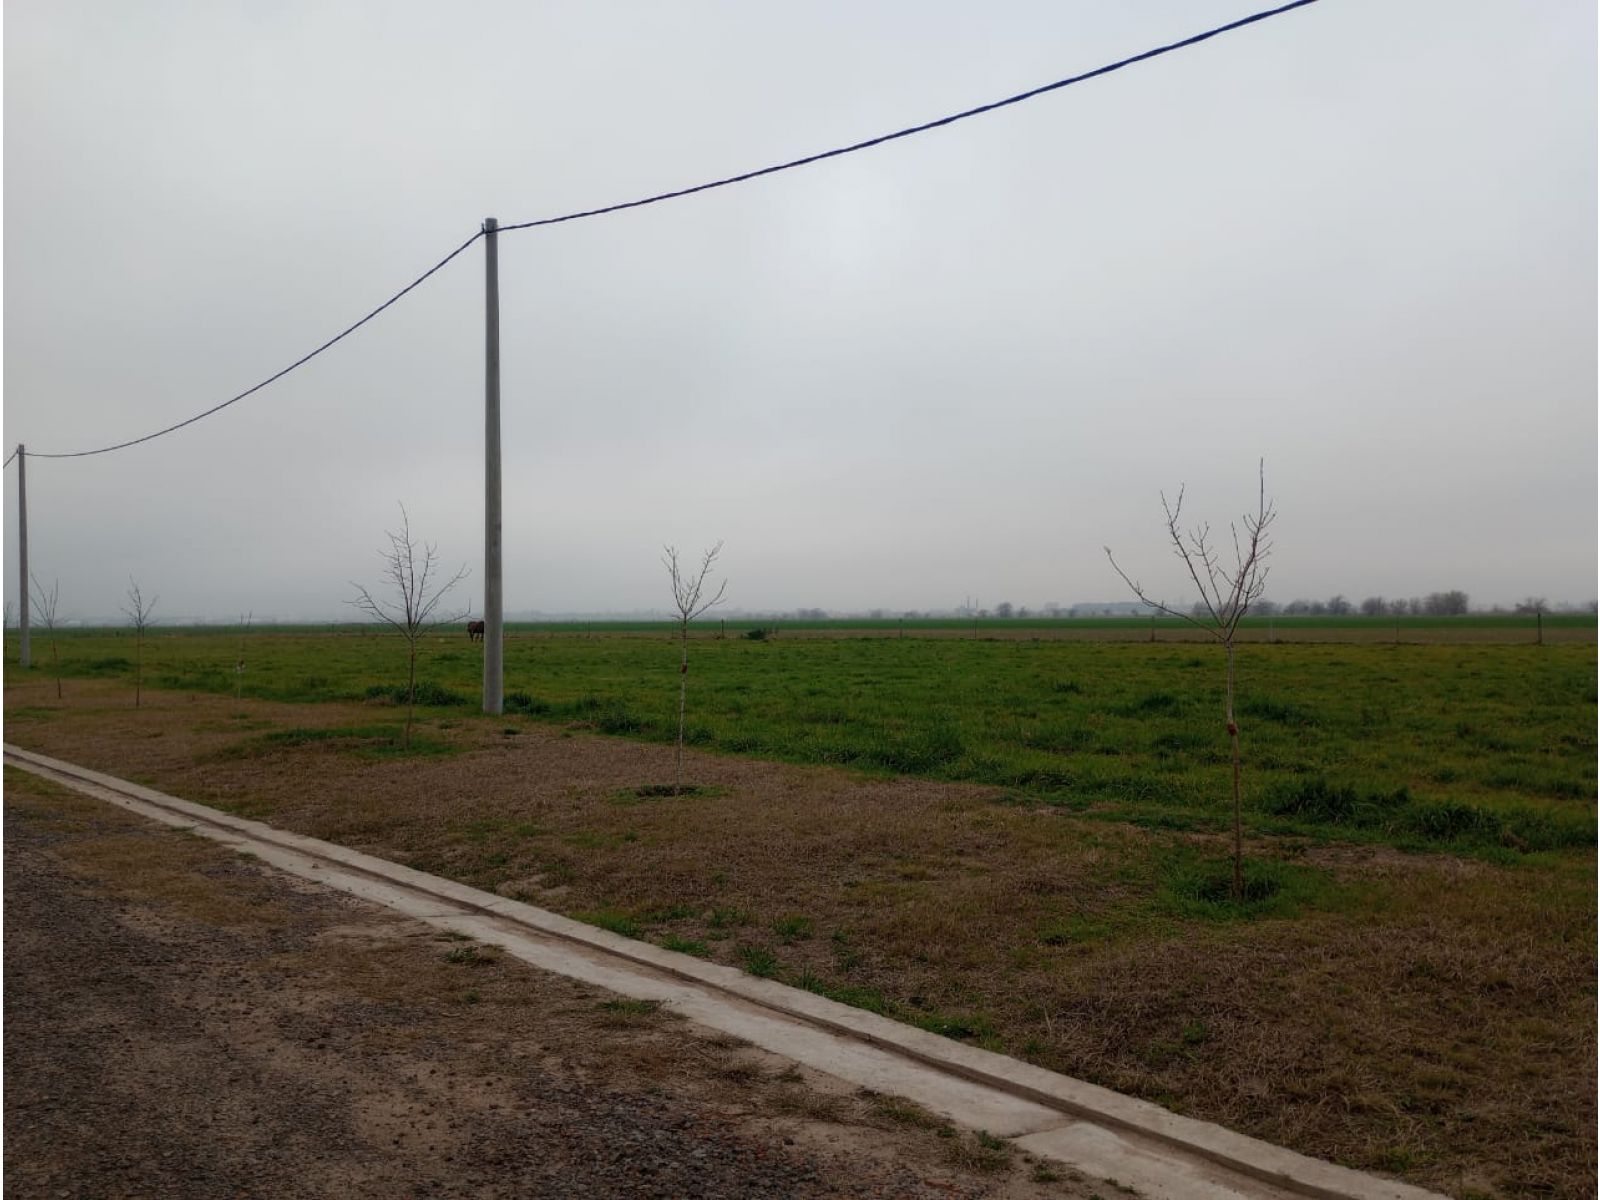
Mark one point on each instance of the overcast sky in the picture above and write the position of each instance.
(1356, 240)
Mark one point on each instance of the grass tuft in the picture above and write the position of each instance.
(521, 702)
(1195, 887)
(1454, 824)
(631, 1008)
(683, 945)
(472, 956)
(792, 929)
(613, 920)
(759, 961)
(429, 694)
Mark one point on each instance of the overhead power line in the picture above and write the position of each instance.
(299, 362)
(1195, 40)
(915, 129)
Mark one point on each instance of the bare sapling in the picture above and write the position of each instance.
(688, 590)
(1226, 594)
(238, 664)
(410, 603)
(138, 614)
(44, 604)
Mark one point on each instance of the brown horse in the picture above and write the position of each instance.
(475, 631)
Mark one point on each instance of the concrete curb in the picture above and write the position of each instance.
(1247, 1156)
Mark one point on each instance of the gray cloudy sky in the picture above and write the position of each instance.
(1357, 240)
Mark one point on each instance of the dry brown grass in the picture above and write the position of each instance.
(978, 1152)
(1437, 1021)
(174, 874)
(140, 860)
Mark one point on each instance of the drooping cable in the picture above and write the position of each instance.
(299, 362)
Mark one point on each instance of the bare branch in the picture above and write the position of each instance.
(416, 597)
(137, 611)
(45, 602)
(367, 603)
(1188, 553)
(686, 592)
(409, 569)
(1133, 586)
(686, 588)
(1251, 581)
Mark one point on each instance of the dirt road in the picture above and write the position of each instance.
(182, 1023)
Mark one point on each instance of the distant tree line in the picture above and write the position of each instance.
(1434, 604)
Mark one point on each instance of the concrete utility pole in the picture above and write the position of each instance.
(26, 657)
(493, 657)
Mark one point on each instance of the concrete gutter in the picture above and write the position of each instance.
(1090, 1128)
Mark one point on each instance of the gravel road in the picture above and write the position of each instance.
(182, 1023)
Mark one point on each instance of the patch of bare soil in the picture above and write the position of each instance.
(182, 1023)
(1435, 1021)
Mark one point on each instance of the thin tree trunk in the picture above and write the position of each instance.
(55, 661)
(138, 667)
(683, 695)
(1238, 820)
(411, 693)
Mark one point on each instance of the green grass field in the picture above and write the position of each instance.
(1488, 747)
(1408, 985)
(1506, 627)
